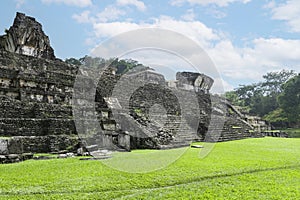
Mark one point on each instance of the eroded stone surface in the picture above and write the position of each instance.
(3, 146)
(26, 37)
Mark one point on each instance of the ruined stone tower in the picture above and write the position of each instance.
(35, 91)
(26, 37)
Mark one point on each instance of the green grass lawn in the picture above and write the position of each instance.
(262, 168)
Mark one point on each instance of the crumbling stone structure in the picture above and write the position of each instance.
(35, 103)
(194, 81)
(26, 37)
(36, 91)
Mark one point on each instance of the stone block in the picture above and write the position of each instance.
(15, 145)
(124, 141)
(3, 146)
(109, 125)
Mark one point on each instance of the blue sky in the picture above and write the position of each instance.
(244, 38)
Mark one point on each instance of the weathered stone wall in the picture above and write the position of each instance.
(49, 143)
(109, 136)
(36, 94)
(178, 127)
(35, 102)
(36, 80)
(26, 37)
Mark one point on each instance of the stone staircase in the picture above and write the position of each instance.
(183, 134)
(228, 129)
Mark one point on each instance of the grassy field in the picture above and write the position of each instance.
(262, 168)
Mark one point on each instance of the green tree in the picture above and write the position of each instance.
(247, 93)
(73, 61)
(289, 100)
(274, 81)
(234, 98)
(122, 65)
(93, 62)
(261, 98)
(277, 118)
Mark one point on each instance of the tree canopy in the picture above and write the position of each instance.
(276, 98)
(121, 65)
(289, 99)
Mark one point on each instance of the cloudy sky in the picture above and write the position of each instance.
(244, 38)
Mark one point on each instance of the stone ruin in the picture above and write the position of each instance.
(36, 91)
(26, 37)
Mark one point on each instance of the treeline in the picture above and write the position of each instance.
(276, 99)
(122, 65)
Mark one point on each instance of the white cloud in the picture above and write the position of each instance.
(221, 3)
(79, 3)
(277, 50)
(288, 11)
(270, 5)
(19, 3)
(110, 13)
(83, 17)
(189, 15)
(195, 30)
(138, 4)
(106, 30)
(251, 62)
(216, 12)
